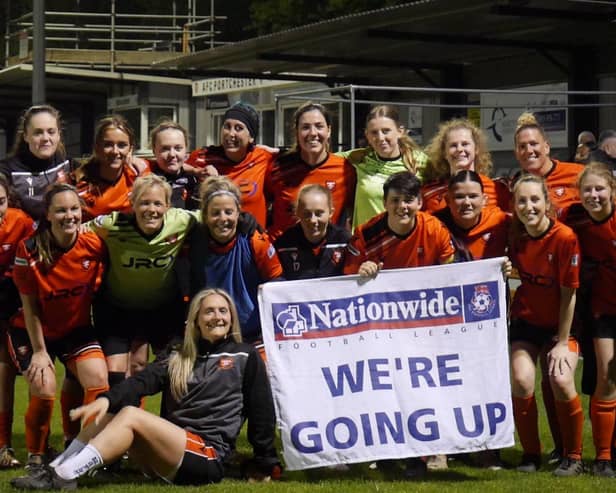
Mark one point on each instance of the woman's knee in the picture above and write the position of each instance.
(605, 389)
(523, 379)
(128, 414)
(137, 365)
(563, 382)
(44, 387)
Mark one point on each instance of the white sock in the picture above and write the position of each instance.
(74, 447)
(77, 465)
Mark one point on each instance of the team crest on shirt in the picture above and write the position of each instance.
(486, 237)
(550, 257)
(336, 256)
(6, 247)
(85, 264)
(226, 363)
(482, 303)
(99, 220)
(560, 191)
(330, 184)
(271, 251)
(172, 239)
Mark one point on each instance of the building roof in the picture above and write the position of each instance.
(425, 42)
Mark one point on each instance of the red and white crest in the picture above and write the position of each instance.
(226, 363)
(337, 256)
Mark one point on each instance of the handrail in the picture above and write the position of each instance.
(185, 32)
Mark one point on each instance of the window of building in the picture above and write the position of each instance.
(144, 119)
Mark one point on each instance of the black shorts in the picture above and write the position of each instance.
(78, 342)
(118, 327)
(604, 327)
(200, 464)
(9, 299)
(522, 331)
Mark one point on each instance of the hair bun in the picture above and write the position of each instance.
(527, 119)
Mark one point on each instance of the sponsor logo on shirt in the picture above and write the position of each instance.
(149, 263)
(22, 350)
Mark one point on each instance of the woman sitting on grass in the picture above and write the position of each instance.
(210, 384)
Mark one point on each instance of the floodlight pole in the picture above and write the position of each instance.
(38, 52)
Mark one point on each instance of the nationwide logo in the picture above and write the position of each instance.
(386, 311)
(374, 311)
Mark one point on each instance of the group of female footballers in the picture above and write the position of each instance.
(102, 260)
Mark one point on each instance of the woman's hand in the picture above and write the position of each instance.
(98, 408)
(201, 173)
(39, 363)
(506, 268)
(558, 363)
(369, 268)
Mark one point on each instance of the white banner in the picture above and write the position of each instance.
(414, 362)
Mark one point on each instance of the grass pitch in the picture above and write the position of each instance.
(460, 477)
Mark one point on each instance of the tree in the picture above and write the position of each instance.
(275, 15)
